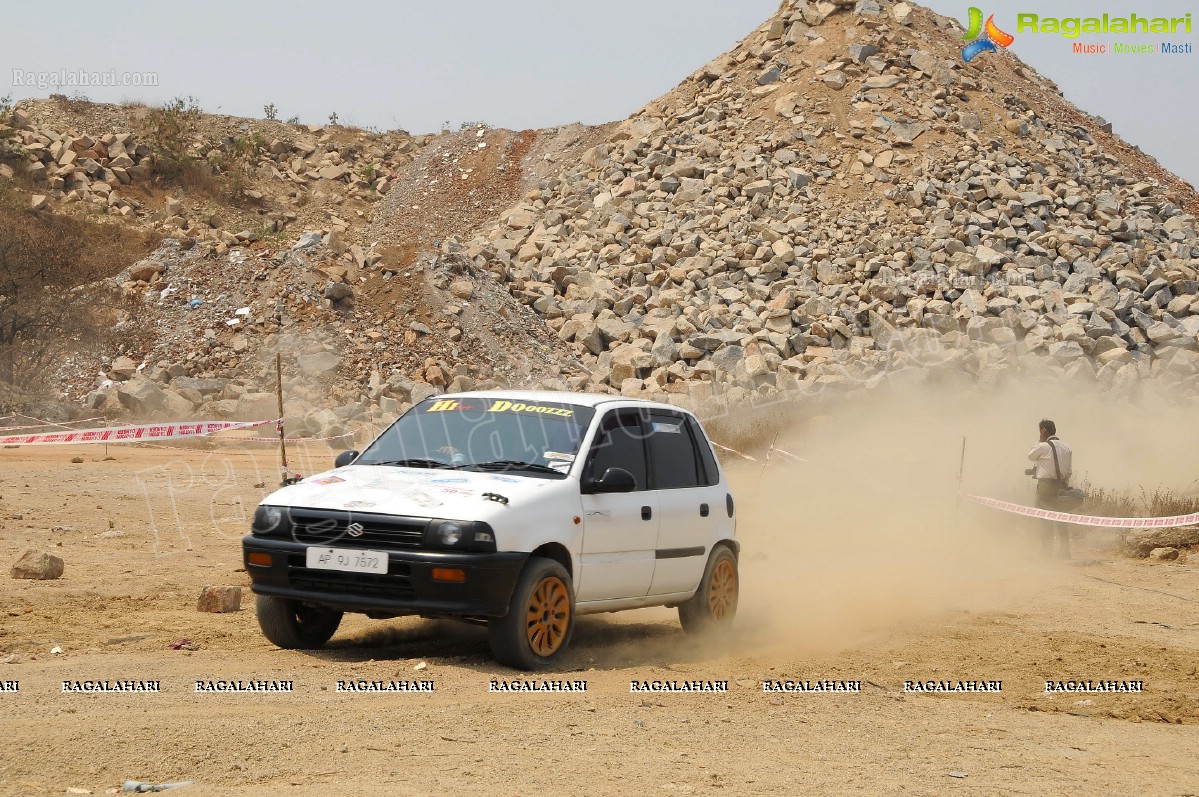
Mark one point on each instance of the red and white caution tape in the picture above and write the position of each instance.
(128, 434)
(1089, 520)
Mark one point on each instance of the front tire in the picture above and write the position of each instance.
(540, 620)
(714, 604)
(295, 626)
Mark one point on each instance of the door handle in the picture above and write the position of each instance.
(646, 513)
(703, 510)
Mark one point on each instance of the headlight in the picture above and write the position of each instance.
(449, 533)
(460, 535)
(267, 519)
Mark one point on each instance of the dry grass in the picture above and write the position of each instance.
(53, 280)
(78, 102)
(1162, 502)
(195, 176)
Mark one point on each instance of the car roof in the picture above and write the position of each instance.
(559, 396)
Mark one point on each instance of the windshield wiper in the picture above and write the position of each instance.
(412, 463)
(514, 464)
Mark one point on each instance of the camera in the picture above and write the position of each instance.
(1030, 471)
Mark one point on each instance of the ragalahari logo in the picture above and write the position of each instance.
(985, 37)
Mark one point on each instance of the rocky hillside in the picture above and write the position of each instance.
(350, 294)
(842, 199)
(838, 200)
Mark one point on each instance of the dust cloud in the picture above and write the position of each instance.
(869, 534)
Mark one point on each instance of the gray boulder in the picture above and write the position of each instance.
(142, 397)
(319, 363)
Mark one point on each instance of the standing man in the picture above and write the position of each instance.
(1052, 467)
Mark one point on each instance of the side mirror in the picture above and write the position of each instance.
(614, 480)
(345, 458)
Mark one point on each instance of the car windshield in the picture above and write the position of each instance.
(529, 438)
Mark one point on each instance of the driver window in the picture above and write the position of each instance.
(620, 444)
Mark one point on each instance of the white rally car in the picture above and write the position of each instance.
(517, 509)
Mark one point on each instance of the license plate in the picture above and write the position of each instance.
(350, 561)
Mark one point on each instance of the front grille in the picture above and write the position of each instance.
(396, 584)
(327, 527)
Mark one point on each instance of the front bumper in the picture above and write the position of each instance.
(408, 586)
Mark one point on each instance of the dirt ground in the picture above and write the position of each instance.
(142, 532)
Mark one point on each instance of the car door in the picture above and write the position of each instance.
(689, 500)
(620, 530)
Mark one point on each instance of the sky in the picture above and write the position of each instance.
(528, 64)
(1151, 100)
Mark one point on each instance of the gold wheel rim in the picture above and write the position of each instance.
(722, 592)
(548, 616)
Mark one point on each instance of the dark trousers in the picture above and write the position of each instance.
(1047, 490)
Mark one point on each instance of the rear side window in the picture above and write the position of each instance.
(672, 453)
(711, 473)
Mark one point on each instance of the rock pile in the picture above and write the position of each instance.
(275, 175)
(73, 167)
(202, 337)
(840, 199)
(462, 181)
(365, 320)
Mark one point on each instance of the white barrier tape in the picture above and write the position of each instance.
(128, 434)
(734, 451)
(1089, 520)
(27, 426)
(40, 423)
(286, 440)
(56, 425)
(786, 454)
(769, 451)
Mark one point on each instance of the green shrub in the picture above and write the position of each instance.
(169, 129)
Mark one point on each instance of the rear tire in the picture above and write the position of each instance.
(714, 604)
(540, 620)
(294, 626)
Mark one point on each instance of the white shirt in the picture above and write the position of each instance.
(1042, 455)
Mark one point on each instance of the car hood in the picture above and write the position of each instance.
(417, 492)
